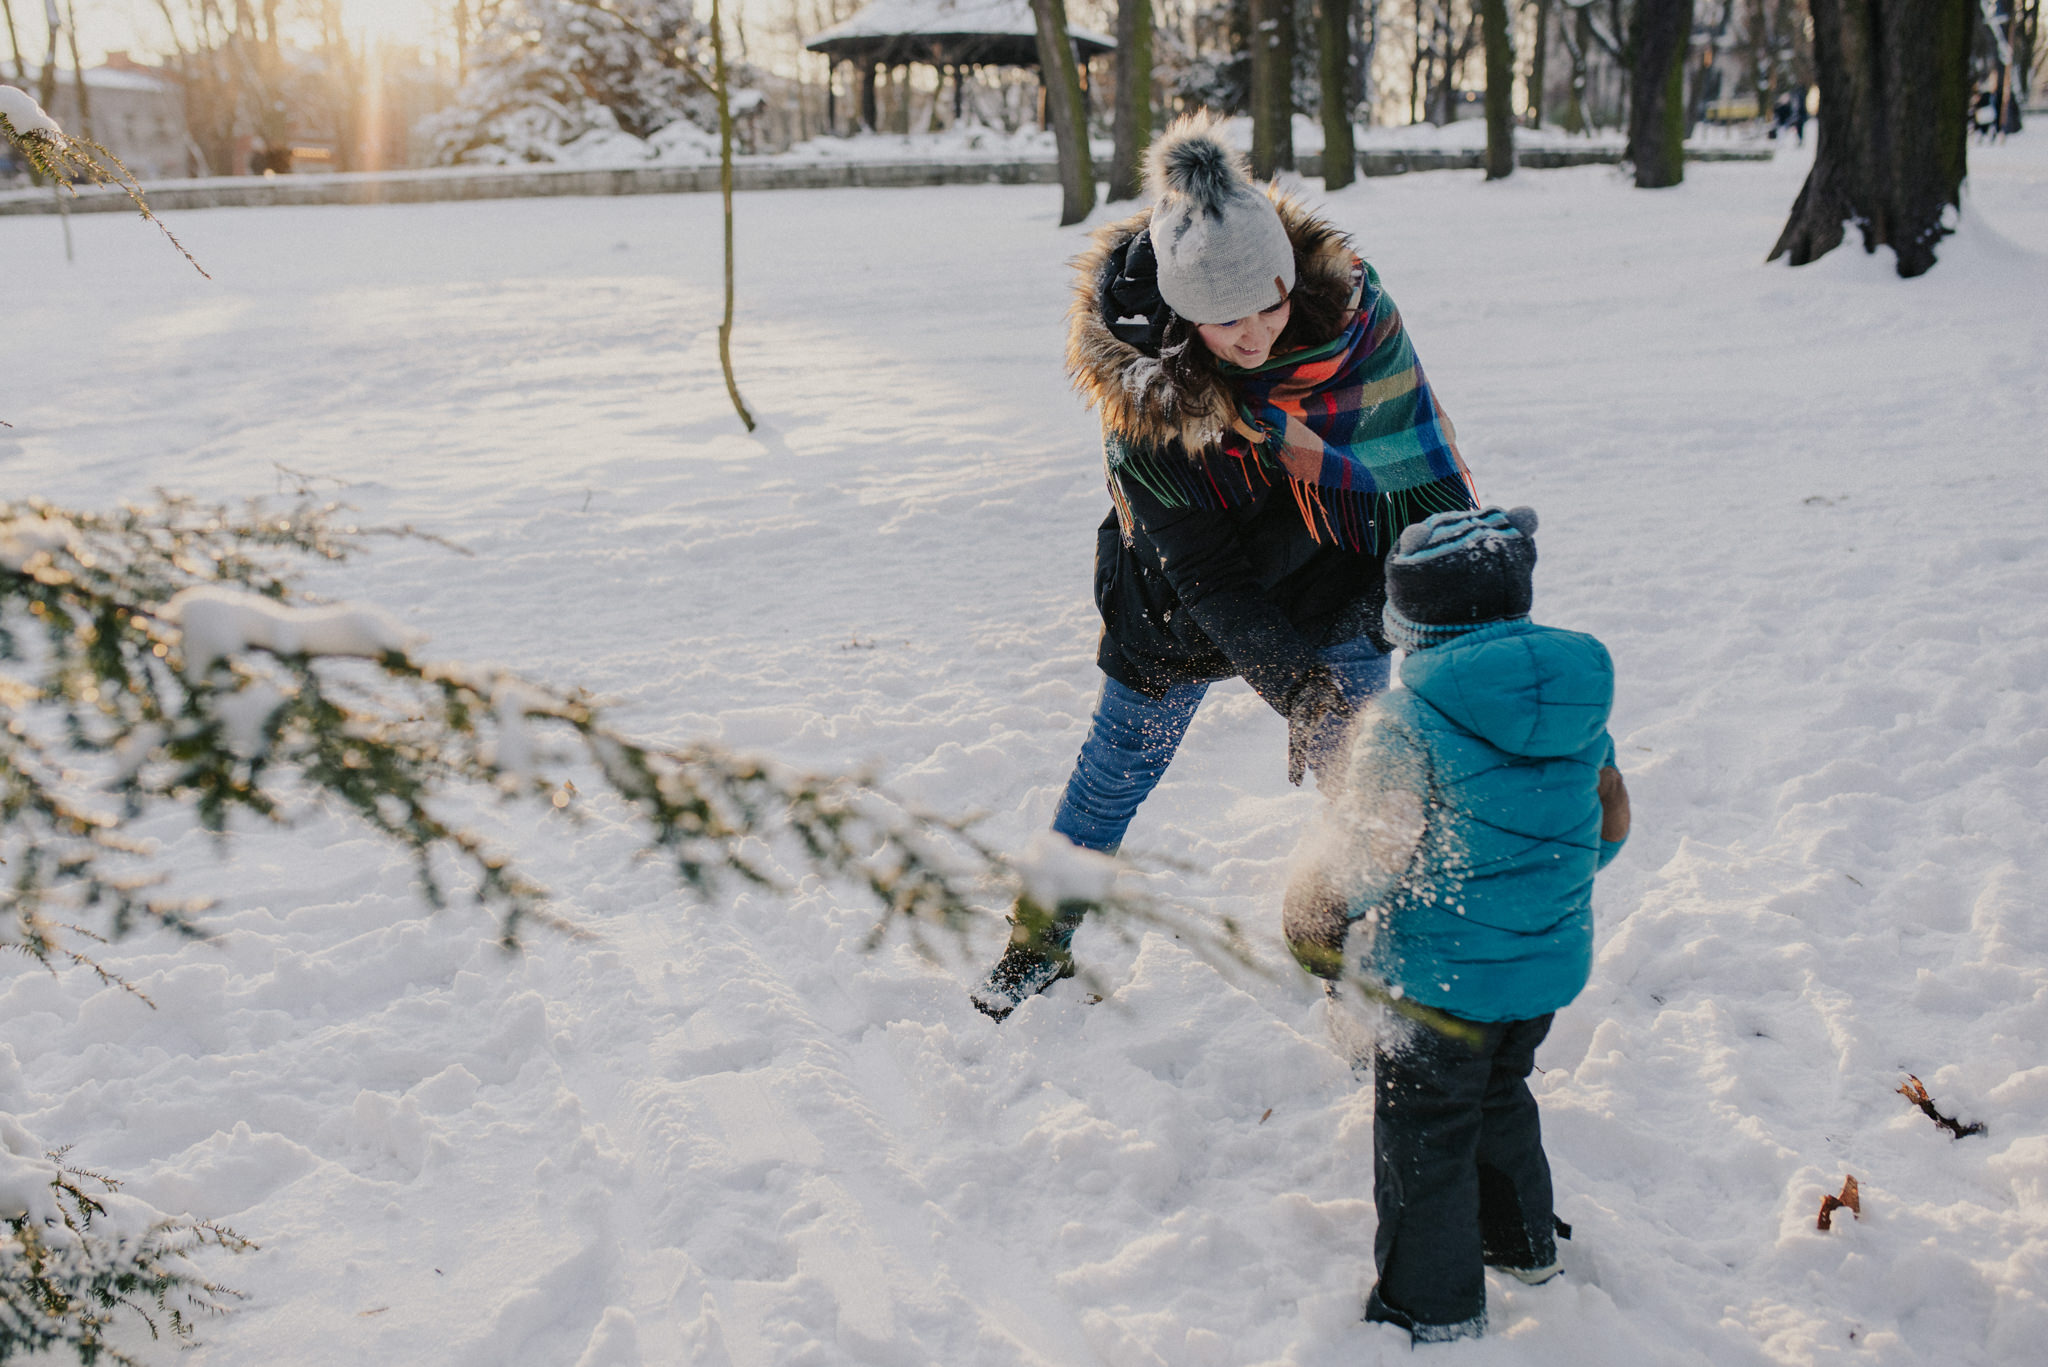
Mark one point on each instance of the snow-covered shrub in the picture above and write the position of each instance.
(77, 1258)
(546, 73)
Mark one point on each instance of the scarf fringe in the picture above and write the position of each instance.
(1361, 522)
(1370, 523)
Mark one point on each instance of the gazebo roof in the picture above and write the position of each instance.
(944, 32)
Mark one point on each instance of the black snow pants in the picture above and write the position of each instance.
(1459, 1175)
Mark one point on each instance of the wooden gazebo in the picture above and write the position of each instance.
(952, 35)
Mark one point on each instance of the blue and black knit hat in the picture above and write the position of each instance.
(1458, 571)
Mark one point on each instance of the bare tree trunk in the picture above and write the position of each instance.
(13, 37)
(1417, 103)
(1060, 76)
(2009, 75)
(1272, 93)
(46, 84)
(1133, 98)
(1283, 112)
(1442, 84)
(1335, 55)
(1657, 124)
(1456, 48)
(1577, 39)
(1539, 63)
(1894, 77)
(2025, 43)
(1363, 92)
(1500, 90)
(78, 72)
(732, 386)
(1706, 78)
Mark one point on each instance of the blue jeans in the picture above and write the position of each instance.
(1134, 737)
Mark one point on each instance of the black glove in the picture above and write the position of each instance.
(1132, 308)
(1315, 700)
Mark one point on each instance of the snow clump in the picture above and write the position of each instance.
(220, 623)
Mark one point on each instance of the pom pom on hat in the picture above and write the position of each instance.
(1189, 161)
(1223, 252)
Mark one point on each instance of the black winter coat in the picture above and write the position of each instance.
(1238, 592)
(1202, 594)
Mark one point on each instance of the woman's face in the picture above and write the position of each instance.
(1247, 342)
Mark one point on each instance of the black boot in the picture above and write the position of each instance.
(1036, 957)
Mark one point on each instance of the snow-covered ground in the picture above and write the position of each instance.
(1804, 508)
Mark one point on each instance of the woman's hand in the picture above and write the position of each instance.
(1316, 699)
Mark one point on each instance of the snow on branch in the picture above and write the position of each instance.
(54, 154)
(77, 1258)
(164, 657)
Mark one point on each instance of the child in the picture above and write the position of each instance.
(1456, 867)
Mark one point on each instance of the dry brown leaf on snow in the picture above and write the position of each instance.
(1850, 1200)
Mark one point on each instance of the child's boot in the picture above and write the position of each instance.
(1525, 1269)
(1378, 1311)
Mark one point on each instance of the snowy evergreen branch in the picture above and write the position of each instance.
(71, 1269)
(165, 657)
(69, 161)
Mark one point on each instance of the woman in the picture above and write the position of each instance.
(1267, 434)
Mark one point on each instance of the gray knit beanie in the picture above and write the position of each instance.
(1223, 252)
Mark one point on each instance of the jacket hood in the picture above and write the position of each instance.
(1533, 691)
(1133, 391)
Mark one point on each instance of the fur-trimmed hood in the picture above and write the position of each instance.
(1139, 396)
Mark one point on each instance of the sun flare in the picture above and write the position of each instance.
(395, 21)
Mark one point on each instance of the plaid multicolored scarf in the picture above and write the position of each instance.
(1352, 425)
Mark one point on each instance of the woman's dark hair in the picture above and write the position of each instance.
(1317, 317)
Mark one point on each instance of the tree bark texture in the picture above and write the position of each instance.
(1133, 98)
(1500, 89)
(1894, 79)
(1060, 74)
(1272, 93)
(1657, 115)
(1335, 55)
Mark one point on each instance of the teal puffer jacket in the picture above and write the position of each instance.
(1481, 780)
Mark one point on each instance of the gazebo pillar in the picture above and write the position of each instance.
(868, 118)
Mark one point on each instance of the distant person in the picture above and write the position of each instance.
(1984, 115)
(1266, 434)
(1781, 114)
(1455, 868)
(1799, 116)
